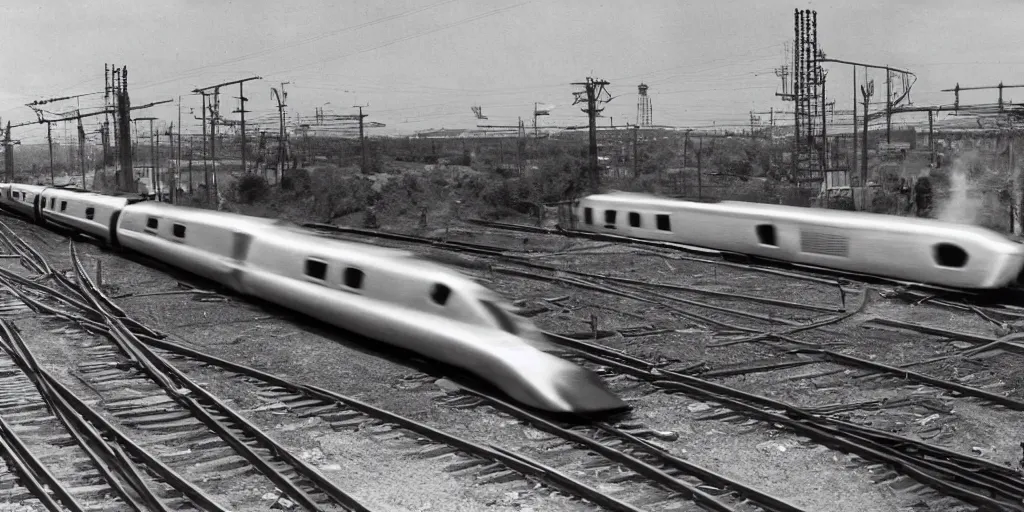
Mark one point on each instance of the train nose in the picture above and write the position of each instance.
(586, 394)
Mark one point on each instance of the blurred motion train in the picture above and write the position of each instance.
(380, 293)
(915, 250)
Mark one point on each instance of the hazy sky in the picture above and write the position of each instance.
(423, 63)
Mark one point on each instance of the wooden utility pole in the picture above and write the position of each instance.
(888, 106)
(215, 110)
(866, 92)
(172, 179)
(593, 88)
(81, 149)
(49, 143)
(853, 156)
(931, 137)
(281, 96)
(241, 110)
(206, 169)
(177, 162)
(191, 189)
(8, 154)
(1018, 194)
(362, 139)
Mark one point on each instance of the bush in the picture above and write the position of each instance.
(296, 179)
(251, 188)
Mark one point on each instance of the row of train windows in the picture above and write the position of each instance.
(90, 212)
(661, 220)
(353, 278)
(178, 230)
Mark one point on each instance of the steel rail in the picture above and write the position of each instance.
(175, 382)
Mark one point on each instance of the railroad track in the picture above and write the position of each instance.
(153, 408)
(972, 480)
(969, 479)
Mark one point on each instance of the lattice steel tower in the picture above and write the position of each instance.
(643, 107)
(810, 151)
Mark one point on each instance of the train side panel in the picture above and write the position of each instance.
(83, 211)
(23, 200)
(194, 240)
(910, 249)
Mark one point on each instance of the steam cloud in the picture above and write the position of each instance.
(961, 206)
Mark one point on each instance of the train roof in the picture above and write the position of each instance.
(93, 197)
(186, 214)
(795, 213)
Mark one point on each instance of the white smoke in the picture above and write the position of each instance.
(962, 206)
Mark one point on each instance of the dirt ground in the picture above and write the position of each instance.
(385, 474)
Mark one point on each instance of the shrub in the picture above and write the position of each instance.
(251, 188)
(296, 179)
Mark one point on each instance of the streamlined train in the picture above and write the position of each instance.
(383, 294)
(914, 250)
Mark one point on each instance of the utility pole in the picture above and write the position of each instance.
(853, 157)
(362, 139)
(206, 170)
(281, 96)
(172, 181)
(213, 124)
(866, 92)
(8, 154)
(593, 89)
(177, 163)
(81, 149)
(191, 189)
(888, 106)
(49, 143)
(931, 138)
(241, 110)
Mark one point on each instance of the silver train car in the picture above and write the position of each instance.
(910, 249)
(22, 199)
(383, 294)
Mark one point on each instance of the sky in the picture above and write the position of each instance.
(422, 64)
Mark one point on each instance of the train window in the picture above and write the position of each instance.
(663, 223)
(353, 278)
(90, 213)
(53, 203)
(634, 219)
(316, 269)
(63, 205)
(178, 230)
(440, 293)
(766, 234)
(152, 223)
(505, 322)
(588, 215)
(609, 218)
(949, 255)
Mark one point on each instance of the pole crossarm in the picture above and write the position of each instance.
(872, 66)
(233, 82)
(91, 114)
